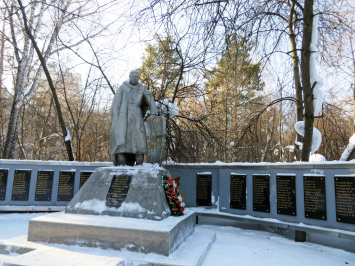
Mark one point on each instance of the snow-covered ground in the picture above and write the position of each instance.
(233, 246)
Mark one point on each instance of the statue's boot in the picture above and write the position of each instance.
(139, 159)
(121, 159)
(114, 159)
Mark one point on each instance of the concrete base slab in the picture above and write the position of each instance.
(107, 232)
(41, 255)
(199, 242)
(191, 253)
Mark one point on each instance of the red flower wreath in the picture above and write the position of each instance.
(173, 196)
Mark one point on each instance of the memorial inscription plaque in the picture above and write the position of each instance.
(315, 206)
(44, 186)
(118, 190)
(84, 176)
(66, 186)
(21, 185)
(345, 199)
(286, 194)
(261, 193)
(3, 183)
(238, 192)
(204, 190)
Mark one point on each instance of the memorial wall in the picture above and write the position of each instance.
(311, 193)
(42, 183)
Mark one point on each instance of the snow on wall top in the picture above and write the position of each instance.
(167, 163)
(218, 164)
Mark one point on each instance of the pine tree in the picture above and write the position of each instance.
(232, 87)
(160, 70)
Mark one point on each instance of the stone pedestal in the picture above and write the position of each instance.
(145, 198)
(118, 208)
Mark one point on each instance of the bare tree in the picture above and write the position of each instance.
(270, 24)
(29, 26)
(43, 59)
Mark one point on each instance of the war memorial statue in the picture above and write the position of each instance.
(133, 205)
(127, 134)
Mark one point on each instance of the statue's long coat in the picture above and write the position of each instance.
(127, 127)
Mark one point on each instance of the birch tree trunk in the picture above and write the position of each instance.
(67, 139)
(30, 27)
(24, 58)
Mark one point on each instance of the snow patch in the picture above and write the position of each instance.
(299, 126)
(205, 173)
(129, 207)
(316, 139)
(352, 140)
(152, 169)
(67, 137)
(318, 92)
(27, 90)
(291, 148)
(217, 203)
(349, 149)
(95, 205)
(99, 206)
(299, 144)
(347, 152)
(314, 174)
(316, 157)
(166, 107)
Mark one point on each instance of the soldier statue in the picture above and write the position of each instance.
(127, 135)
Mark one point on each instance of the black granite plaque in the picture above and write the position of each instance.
(3, 183)
(238, 191)
(44, 186)
(261, 193)
(66, 186)
(118, 190)
(21, 185)
(84, 176)
(286, 195)
(204, 190)
(314, 197)
(345, 199)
